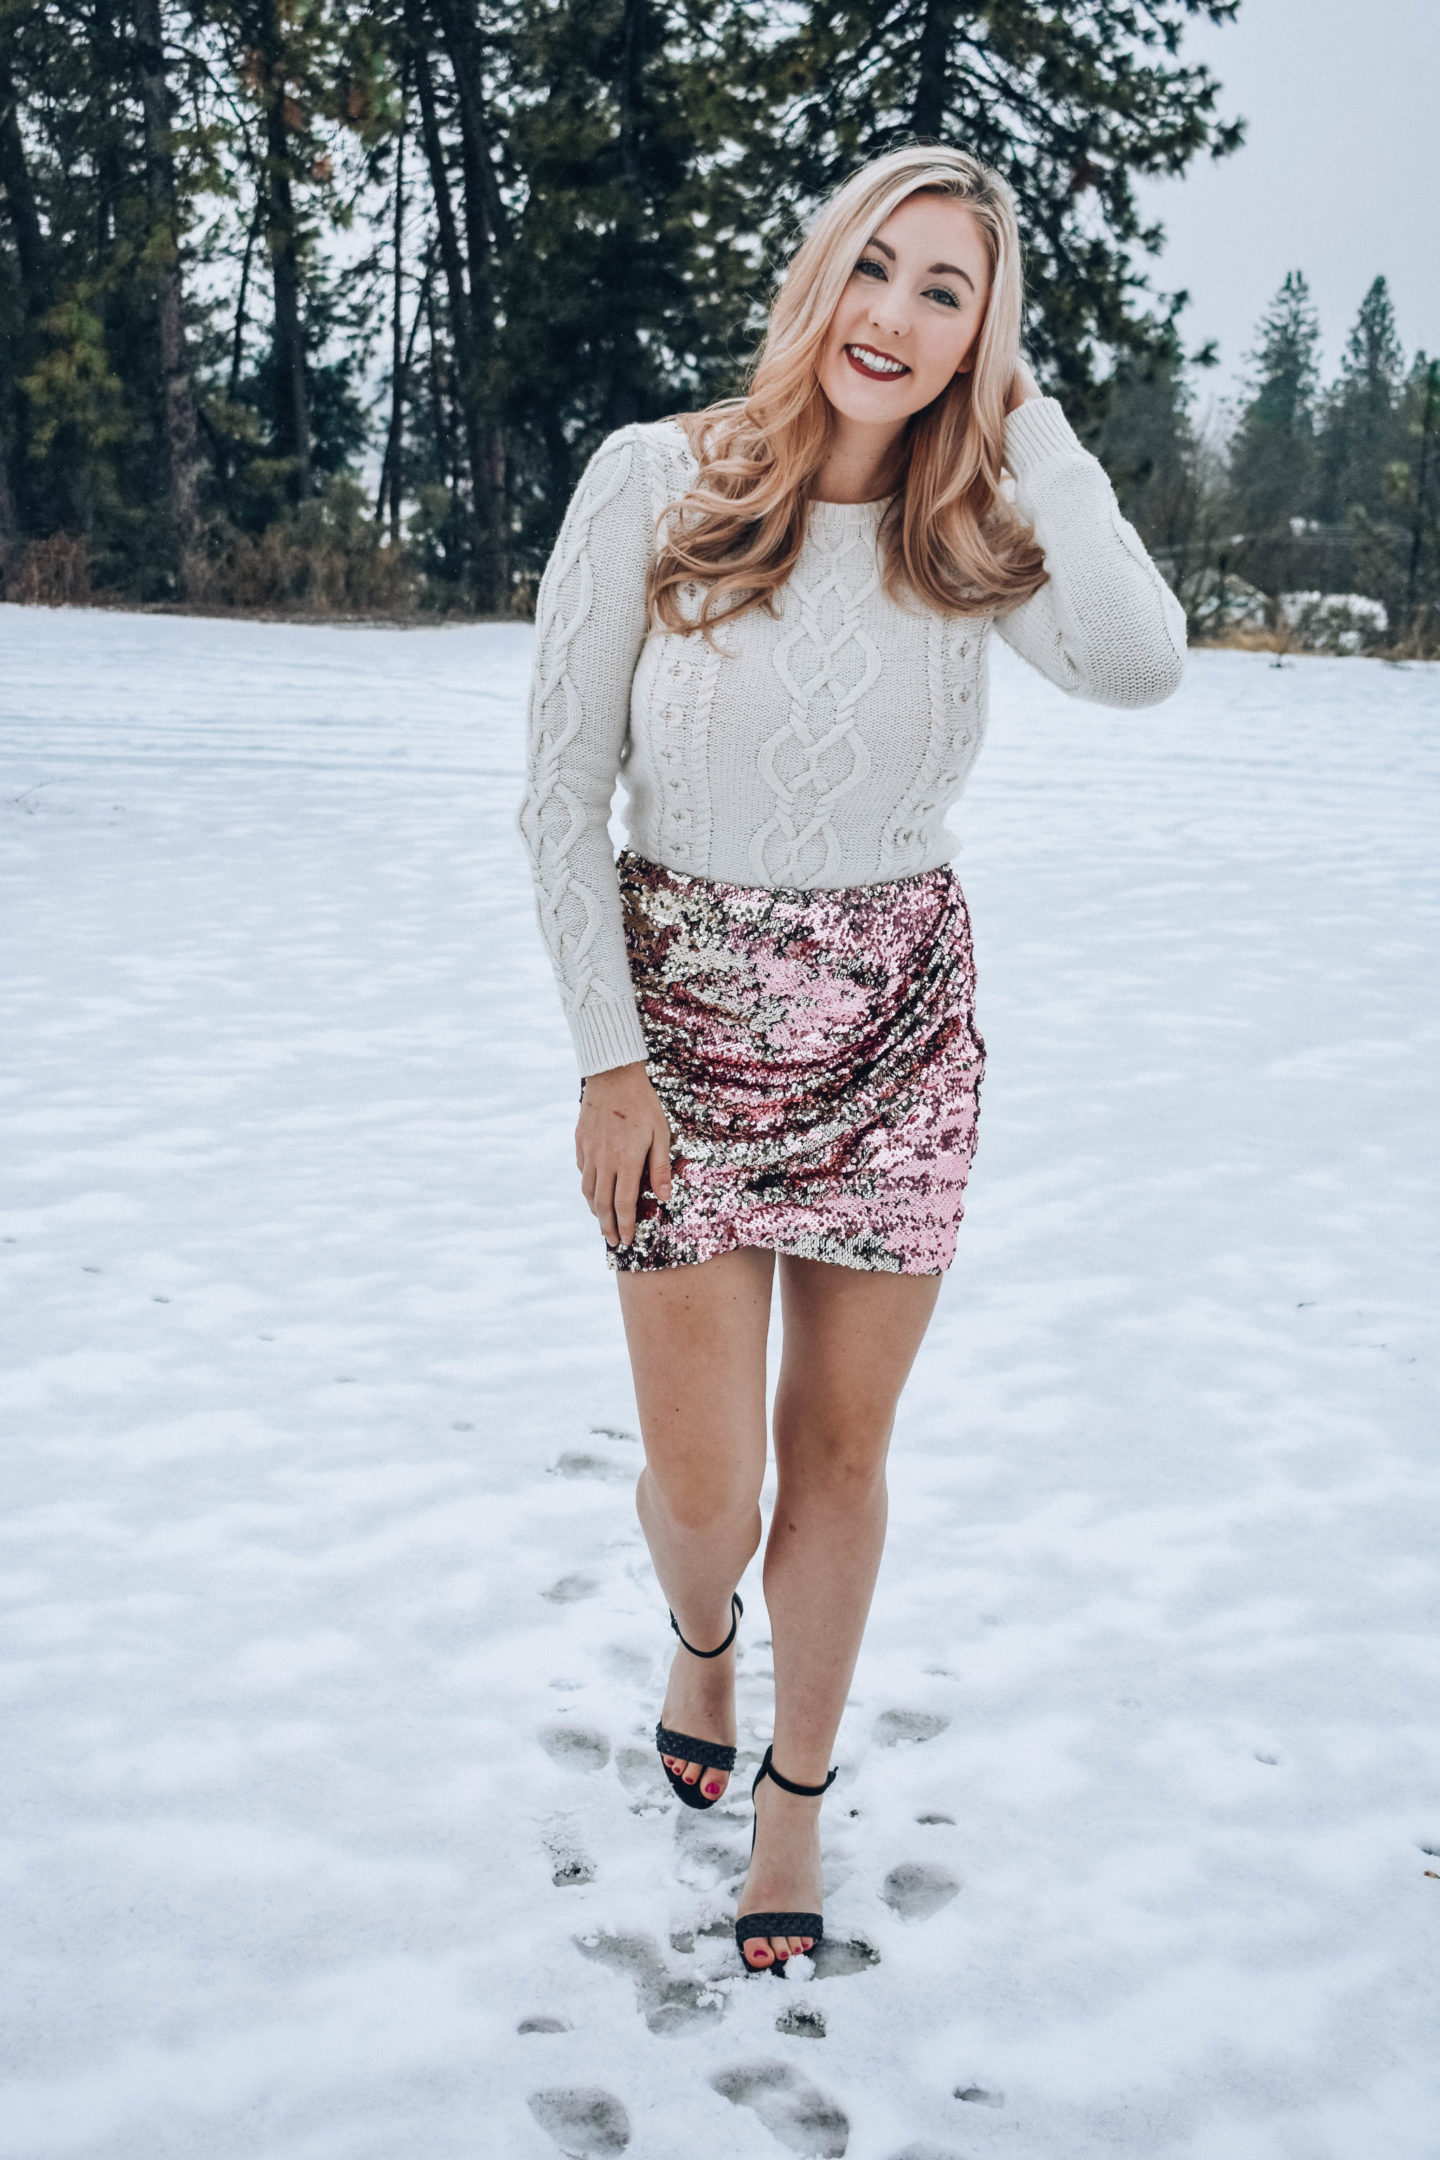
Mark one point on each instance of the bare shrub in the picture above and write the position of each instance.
(54, 572)
(328, 559)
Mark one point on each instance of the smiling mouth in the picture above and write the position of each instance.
(878, 366)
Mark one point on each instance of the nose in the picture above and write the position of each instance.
(889, 310)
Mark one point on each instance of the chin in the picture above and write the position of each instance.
(850, 396)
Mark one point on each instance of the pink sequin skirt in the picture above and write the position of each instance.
(817, 1056)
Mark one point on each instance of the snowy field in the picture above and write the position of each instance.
(331, 1650)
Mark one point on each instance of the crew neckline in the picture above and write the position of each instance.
(836, 512)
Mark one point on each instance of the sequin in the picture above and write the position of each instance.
(817, 1057)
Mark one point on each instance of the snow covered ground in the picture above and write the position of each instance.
(331, 1651)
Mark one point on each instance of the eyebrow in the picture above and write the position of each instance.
(935, 268)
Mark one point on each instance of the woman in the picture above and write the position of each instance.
(771, 619)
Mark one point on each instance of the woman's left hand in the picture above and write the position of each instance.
(1023, 386)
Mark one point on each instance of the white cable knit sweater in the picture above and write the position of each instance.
(822, 746)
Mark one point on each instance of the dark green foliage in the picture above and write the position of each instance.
(246, 243)
(1272, 461)
(1360, 427)
(634, 269)
(1161, 469)
(1396, 532)
(1336, 490)
(253, 249)
(1070, 103)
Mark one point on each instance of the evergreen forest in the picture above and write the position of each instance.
(318, 308)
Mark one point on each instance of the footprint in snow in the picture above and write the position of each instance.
(576, 1465)
(569, 1865)
(582, 2119)
(915, 1889)
(833, 1958)
(704, 1856)
(640, 1773)
(540, 2023)
(901, 1728)
(801, 2022)
(628, 1664)
(978, 2095)
(667, 2004)
(704, 1863)
(793, 2110)
(577, 1747)
(571, 1589)
(931, 1820)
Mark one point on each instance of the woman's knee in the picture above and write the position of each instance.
(699, 1499)
(842, 1452)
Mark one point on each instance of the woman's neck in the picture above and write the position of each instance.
(860, 463)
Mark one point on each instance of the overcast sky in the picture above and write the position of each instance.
(1339, 175)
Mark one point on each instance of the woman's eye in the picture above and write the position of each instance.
(868, 262)
(943, 292)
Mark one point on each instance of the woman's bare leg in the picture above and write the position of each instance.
(697, 1350)
(850, 1340)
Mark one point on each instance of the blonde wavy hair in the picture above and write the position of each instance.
(948, 536)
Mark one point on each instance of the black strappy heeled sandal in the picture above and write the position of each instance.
(708, 1753)
(753, 1925)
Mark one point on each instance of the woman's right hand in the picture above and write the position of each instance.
(621, 1128)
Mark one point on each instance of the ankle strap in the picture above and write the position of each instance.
(736, 1608)
(806, 1792)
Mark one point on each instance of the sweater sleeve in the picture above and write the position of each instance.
(1104, 625)
(589, 628)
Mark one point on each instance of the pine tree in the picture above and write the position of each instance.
(1400, 550)
(451, 49)
(1273, 456)
(83, 414)
(634, 275)
(1070, 104)
(1148, 445)
(1415, 486)
(1360, 431)
(176, 388)
(24, 294)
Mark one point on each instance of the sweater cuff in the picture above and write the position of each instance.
(606, 1036)
(1037, 434)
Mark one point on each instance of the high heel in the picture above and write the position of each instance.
(751, 1926)
(708, 1753)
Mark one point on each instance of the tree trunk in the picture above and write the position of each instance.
(33, 264)
(237, 336)
(1430, 412)
(486, 231)
(395, 444)
(20, 198)
(623, 403)
(177, 396)
(9, 528)
(492, 222)
(391, 475)
(292, 389)
(932, 68)
(462, 330)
